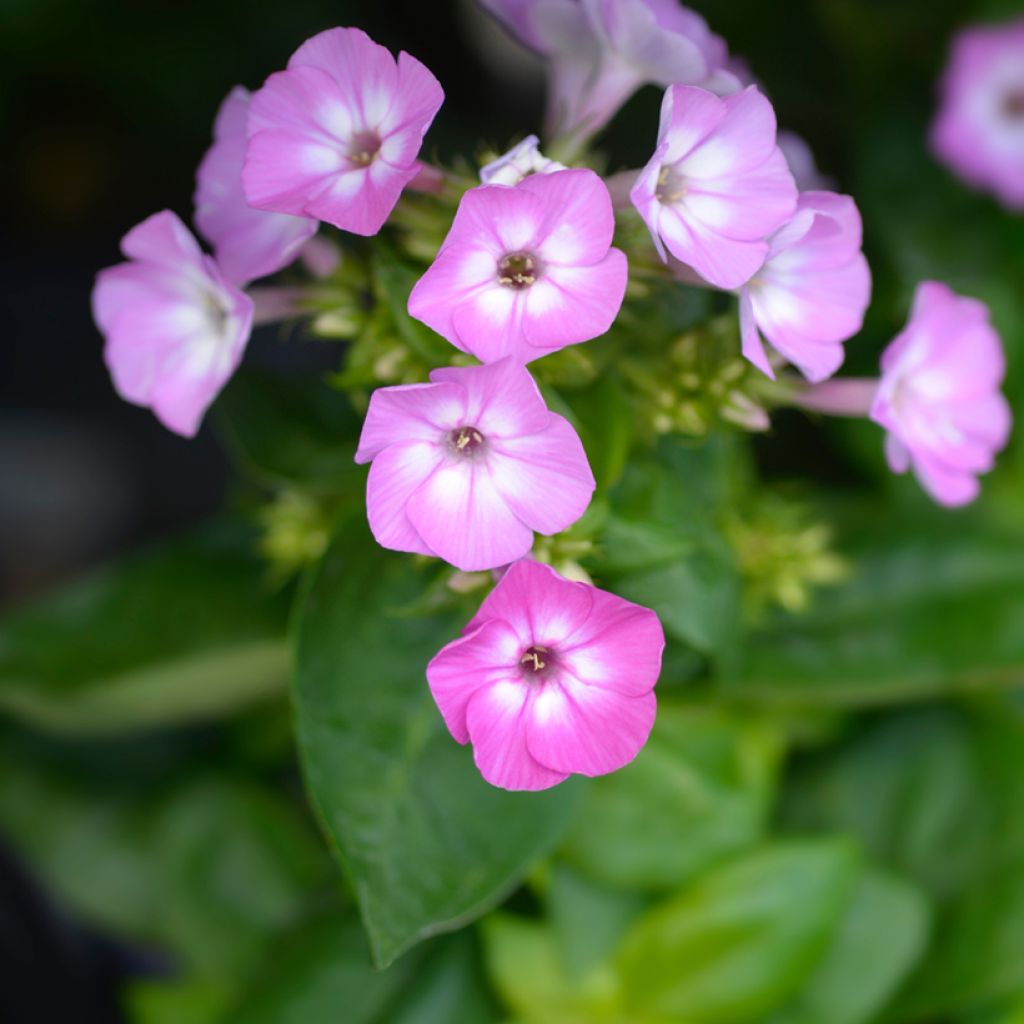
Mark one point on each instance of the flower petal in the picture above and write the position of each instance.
(396, 473)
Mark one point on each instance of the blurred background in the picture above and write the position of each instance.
(105, 110)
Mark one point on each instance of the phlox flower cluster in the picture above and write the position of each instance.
(551, 677)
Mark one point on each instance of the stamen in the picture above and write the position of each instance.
(466, 440)
(671, 186)
(517, 270)
(535, 658)
(363, 148)
(1013, 104)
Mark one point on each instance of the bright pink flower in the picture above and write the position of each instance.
(811, 293)
(979, 130)
(939, 396)
(717, 185)
(175, 328)
(335, 136)
(550, 678)
(525, 271)
(468, 466)
(247, 242)
(602, 51)
(519, 162)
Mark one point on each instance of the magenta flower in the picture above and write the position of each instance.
(526, 270)
(811, 293)
(247, 242)
(979, 129)
(717, 185)
(335, 136)
(468, 466)
(519, 162)
(550, 678)
(602, 51)
(175, 328)
(939, 396)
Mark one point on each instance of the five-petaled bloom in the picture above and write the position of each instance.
(525, 271)
(979, 129)
(175, 329)
(939, 396)
(550, 678)
(468, 466)
(602, 51)
(811, 293)
(247, 242)
(336, 135)
(718, 185)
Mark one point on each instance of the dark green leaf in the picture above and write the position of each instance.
(701, 788)
(427, 843)
(188, 630)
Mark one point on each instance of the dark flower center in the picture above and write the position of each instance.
(536, 661)
(517, 270)
(1013, 104)
(363, 147)
(671, 185)
(466, 440)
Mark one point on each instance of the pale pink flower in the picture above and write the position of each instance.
(939, 396)
(519, 162)
(979, 129)
(804, 168)
(813, 290)
(468, 466)
(335, 136)
(550, 678)
(526, 270)
(602, 51)
(175, 328)
(247, 242)
(717, 185)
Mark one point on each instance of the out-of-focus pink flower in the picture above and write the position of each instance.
(468, 466)
(335, 136)
(519, 162)
(602, 51)
(717, 185)
(939, 396)
(175, 328)
(979, 129)
(526, 270)
(813, 290)
(247, 242)
(550, 678)
(802, 164)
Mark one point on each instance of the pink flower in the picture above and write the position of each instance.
(175, 328)
(519, 162)
(811, 293)
(602, 51)
(525, 271)
(939, 396)
(800, 158)
(336, 135)
(468, 466)
(247, 242)
(717, 185)
(979, 129)
(550, 678)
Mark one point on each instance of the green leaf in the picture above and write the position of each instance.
(740, 939)
(935, 793)
(922, 616)
(291, 432)
(185, 631)
(427, 843)
(711, 777)
(526, 966)
(881, 937)
(605, 419)
(209, 871)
